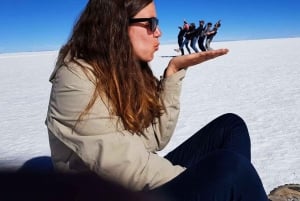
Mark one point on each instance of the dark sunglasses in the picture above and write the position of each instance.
(153, 22)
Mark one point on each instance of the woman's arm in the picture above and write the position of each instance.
(157, 136)
(97, 141)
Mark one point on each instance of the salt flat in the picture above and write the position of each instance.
(257, 79)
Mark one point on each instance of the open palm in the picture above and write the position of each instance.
(185, 61)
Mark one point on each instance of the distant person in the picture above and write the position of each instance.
(201, 35)
(188, 39)
(180, 38)
(108, 113)
(185, 43)
(211, 33)
(193, 37)
(207, 31)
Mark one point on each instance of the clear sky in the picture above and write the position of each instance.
(36, 25)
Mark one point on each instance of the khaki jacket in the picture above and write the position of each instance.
(99, 142)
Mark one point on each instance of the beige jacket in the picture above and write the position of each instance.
(100, 143)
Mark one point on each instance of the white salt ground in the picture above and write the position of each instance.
(258, 80)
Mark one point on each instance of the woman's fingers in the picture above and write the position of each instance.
(196, 58)
(185, 61)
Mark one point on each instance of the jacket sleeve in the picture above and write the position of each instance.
(104, 148)
(159, 134)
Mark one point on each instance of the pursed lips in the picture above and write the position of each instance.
(156, 46)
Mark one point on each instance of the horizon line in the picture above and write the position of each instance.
(162, 43)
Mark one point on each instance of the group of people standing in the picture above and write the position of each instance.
(189, 34)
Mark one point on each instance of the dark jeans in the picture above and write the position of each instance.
(180, 44)
(186, 44)
(193, 44)
(201, 43)
(218, 165)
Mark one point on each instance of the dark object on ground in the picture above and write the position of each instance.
(62, 187)
(42, 164)
(36, 180)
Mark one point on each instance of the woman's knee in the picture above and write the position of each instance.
(237, 132)
(235, 121)
(232, 117)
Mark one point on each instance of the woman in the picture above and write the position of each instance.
(108, 113)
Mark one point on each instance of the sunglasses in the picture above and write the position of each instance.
(153, 22)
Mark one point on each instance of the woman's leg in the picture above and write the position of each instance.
(218, 165)
(221, 175)
(227, 132)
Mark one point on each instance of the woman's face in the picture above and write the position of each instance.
(144, 41)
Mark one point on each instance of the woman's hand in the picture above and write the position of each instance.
(185, 61)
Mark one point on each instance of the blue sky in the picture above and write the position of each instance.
(37, 25)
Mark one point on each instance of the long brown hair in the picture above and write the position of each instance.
(100, 37)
